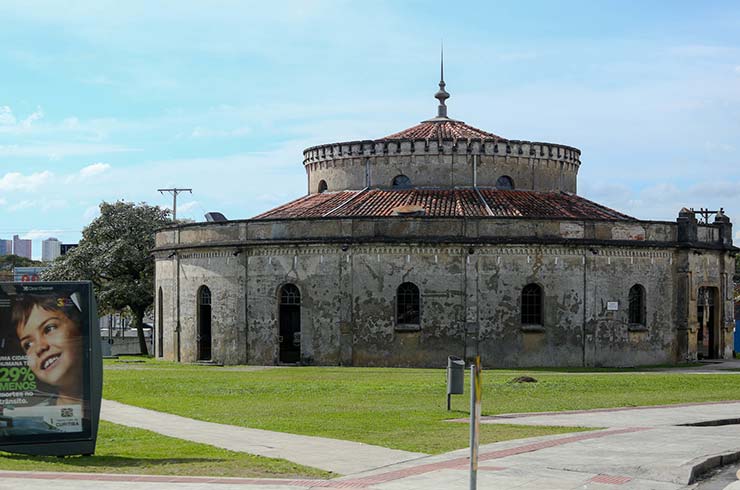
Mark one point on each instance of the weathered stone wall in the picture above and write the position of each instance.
(461, 163)
(348, 270)
(246, 232)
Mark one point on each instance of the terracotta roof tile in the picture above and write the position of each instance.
(442, 129)
(310, 206)
(445, 202)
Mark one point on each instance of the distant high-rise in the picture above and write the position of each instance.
(6, 247)
(21, 247)
(51, 248)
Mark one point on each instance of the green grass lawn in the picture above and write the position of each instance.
(127, 450)
(398, 408)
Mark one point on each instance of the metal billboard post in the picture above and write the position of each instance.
(475, 396)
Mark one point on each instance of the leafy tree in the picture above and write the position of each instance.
(115, 254)
(8, 262)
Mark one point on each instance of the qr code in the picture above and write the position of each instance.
(67, 412)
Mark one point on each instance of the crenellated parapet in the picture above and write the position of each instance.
(366, 148)
(442, 163)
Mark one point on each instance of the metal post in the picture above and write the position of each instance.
(174, 191)
(475, 396)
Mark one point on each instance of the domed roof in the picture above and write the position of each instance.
(442, 128)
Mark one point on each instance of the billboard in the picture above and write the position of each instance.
(27, 274)
(50, 368)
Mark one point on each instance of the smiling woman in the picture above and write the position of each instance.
(48, 328)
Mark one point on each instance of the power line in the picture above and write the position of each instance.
(174, 191)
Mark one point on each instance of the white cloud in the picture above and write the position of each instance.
(6, 116)
(188, 207)
(702, 50)
(16, 181)
(55, 151)
(737, 69)
(34, 116)
(90, 213)
(20, 205)
(200, 132)
(41, 234)
(94, 169)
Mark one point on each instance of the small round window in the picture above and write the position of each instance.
(505, 183)
(322, 186)
(401, 181)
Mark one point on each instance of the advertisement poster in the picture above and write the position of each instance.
(44, 360)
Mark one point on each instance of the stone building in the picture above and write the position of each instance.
(440, 240)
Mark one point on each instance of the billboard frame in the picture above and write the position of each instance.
(67, 444)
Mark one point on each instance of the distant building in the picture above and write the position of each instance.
(66, 247)
(51, 248)
(6, 247)
(21, 247)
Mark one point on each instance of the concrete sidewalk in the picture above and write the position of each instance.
(338, 456)
(649, 454)
(657, 416)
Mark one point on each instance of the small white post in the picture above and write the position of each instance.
(475, 396)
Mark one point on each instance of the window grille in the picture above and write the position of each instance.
(532, 305)
(407, 304)
(290, 295)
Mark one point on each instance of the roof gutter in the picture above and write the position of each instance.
(475, 186)
(345, 202)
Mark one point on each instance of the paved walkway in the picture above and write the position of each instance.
(648, 454)
(657, 416)
(341, 457)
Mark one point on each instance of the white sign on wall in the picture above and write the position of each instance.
(612, 306)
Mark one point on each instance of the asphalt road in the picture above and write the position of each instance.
(719, 478)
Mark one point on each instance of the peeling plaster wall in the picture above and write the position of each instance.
(470, 294)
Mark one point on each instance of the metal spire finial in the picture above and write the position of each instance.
(442, 94)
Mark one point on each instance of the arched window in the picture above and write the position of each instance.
(204, 323)
(289, 318)
(401, 181)
(505, 183)
(204, 296)
(637, 305)
(322, 186)
(532, 305)
(407, 304)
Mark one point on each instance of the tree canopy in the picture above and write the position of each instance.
(115, 254)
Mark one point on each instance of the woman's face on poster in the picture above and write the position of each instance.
(51, 342)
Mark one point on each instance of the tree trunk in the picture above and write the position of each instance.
(139, 323)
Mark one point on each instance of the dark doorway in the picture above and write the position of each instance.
(707, 335)
(160, 324)
(290, 324)
(204, 324)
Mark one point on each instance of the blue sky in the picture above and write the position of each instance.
(111, 100)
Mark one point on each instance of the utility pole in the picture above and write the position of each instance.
(174, 191)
